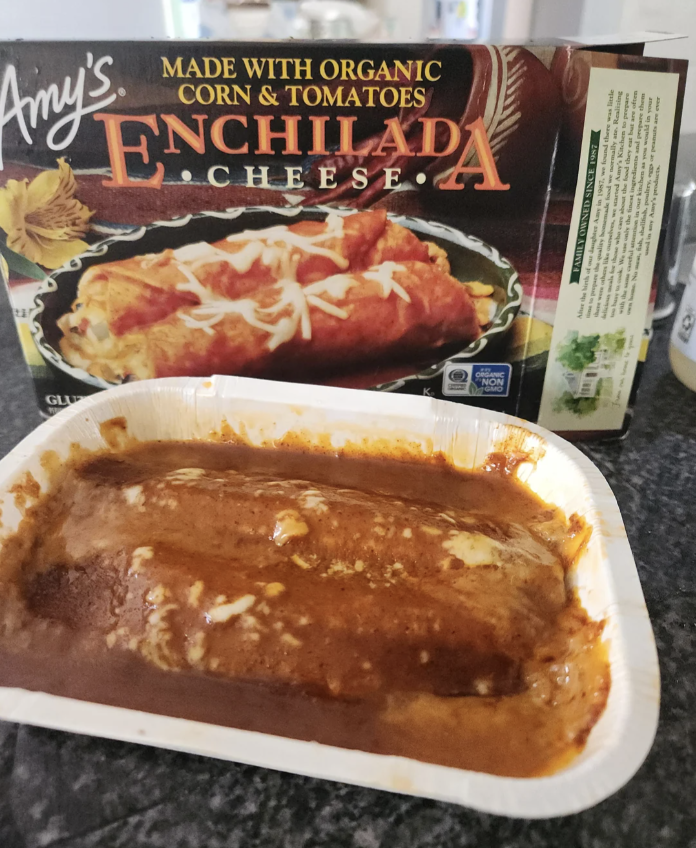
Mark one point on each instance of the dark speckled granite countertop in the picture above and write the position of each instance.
(68, 791)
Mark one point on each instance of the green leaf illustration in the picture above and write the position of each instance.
(578, 406)
(18, 263)
(614, 342)
(577, 352)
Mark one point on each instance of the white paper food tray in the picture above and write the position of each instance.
(606, 578)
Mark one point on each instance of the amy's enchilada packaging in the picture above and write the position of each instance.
(466, 222)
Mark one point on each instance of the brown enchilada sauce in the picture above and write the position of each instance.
(389, 606)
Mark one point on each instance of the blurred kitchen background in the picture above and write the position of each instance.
(391, 20)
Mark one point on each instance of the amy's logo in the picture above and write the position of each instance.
(69, 100)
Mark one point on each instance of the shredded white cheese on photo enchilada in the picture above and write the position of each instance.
(269, 246)
(292, 296)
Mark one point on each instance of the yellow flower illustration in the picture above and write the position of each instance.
(43, 219)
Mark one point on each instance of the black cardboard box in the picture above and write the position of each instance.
(467, 222)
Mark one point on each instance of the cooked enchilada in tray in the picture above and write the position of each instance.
(391, 606)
